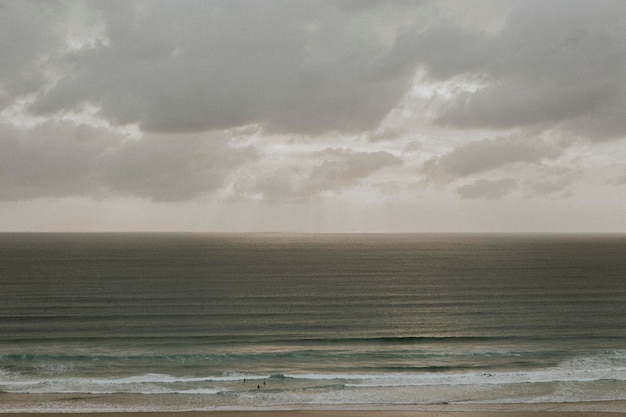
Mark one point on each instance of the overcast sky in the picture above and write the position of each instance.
(307, 116)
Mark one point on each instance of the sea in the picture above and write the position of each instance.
(194, 321)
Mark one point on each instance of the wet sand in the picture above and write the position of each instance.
(583, 409)
(334, 413)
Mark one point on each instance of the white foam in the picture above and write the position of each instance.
(202, 391)
(13, 379)
(585, 369)
(86, 388)
(313, 376)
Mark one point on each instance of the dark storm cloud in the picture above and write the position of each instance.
(553, 63)
(484, 155)
(61, 159)
(304, 66)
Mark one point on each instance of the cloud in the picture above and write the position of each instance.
(317, 66)
(619, 180)
(166, 169)
(487, 154)
(30, 36)
(413, 147)
(549, 187)
(236, 98)
(336, 170)
(341, 166)
(486, 189)
(62, 159)
(557, 63)
(304, 67)
(50, 160)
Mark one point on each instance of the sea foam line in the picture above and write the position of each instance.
(582, 369)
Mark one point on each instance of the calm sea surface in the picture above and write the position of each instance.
(208, 321)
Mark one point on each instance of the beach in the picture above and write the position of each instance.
(610, 409)
(569, 409)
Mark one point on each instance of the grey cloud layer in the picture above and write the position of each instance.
(29, 33)
(487, 154)
(180, 69)
(486, 189)
(314, 66)
(337, 170)
(553, 63)
(305, 66)
(59, 160)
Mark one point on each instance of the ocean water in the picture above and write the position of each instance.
(240, 321)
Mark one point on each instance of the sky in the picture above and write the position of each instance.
(313, 116)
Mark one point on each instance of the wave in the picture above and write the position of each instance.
(295, 352)
(122, 390)
(606, 366)
(227, 339)
(136, 379)
(138, 384)
(390, 340)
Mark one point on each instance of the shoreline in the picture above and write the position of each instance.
(389, 412)
(611, 408)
